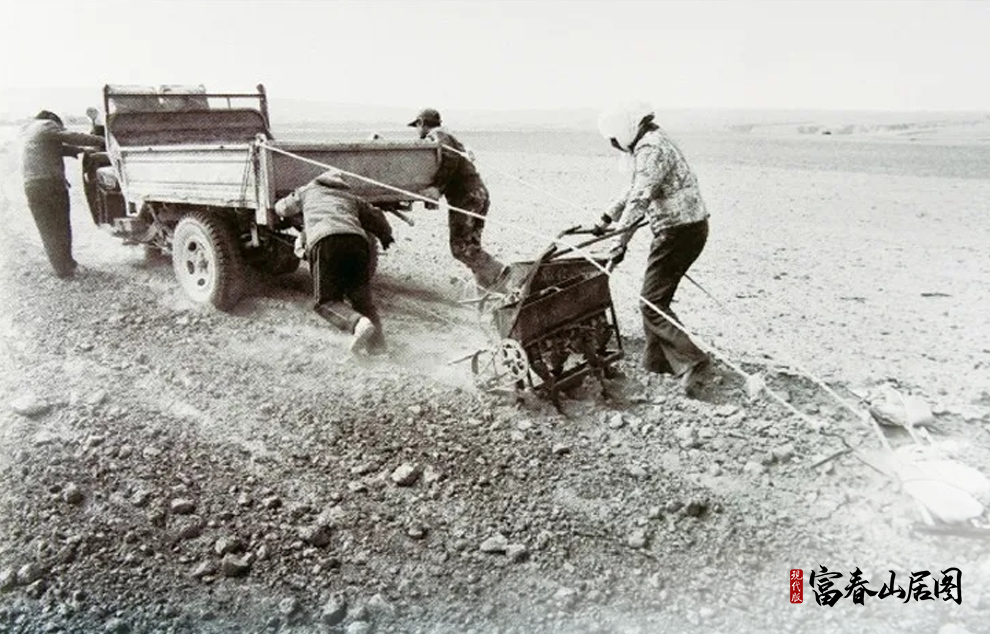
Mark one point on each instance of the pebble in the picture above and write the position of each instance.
(560, 449)
(29, 405)
(203, 569)
(753, 467)
(637, 539)
(431, 476)
(272, 502)
(334, 610)
(191, 528)
(125, 452)
(616, 421)
(784, 452)
(405, 475)
(29, 573)
(687, 437)
(233, 566)
(116, 626)
(696, 508)
(288, 606)
(182, 506)
(497, 543)
(379, 608)
(8, 579)
(72, 494)
(140, 497)
(358, 627)
(227, 545)
(244, 500)
(95, 398)
(516, 553)
(706, 613)
(316, 535)
(725, 411)
(416, 531)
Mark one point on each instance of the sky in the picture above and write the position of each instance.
(837, 54)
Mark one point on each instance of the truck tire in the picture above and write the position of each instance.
(206, 257)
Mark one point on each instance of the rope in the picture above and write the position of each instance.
(788, 359)
(707, 348)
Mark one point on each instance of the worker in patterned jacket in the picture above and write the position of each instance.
(459, 182)
(665, 190)
(337, 244)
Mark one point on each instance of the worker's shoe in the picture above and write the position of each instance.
(693, 378)
(364, 332)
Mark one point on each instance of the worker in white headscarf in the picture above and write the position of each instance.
(664, 189)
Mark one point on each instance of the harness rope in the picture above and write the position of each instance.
(706, 347)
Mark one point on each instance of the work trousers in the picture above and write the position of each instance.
(49, 203)
(339, 264)
(669, 350)
(465, 233)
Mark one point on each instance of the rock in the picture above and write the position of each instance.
(316, 535)
(234, 566)
(8, 579)
(190, 528)
(334, 610)
(117, 626)
(636, 471)
(72, 494)
(560, 449)
(416, 410)
(244, 500)
(673, 506)
(37, 589)
(29, 405)
(140, 497)
(416, 531)
(228, 545)
(497, 543)
(696, 508)
(288, 606)
(358, 627)
(616, 421)
(725, 411)
(637, 539)
(203, 569)
(182, 506)
(753, 467)
(687, 437)
(380, 609)
(29, 573)
(431, 476)
(95, 398)
(125, 452)
(406, 475)
(516, 553)
(784, 452)
(706, 613)
(272, 502)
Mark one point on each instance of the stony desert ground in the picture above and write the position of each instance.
(188, 470)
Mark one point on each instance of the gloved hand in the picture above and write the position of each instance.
(387, 241)
(602, 225)
(616, 256)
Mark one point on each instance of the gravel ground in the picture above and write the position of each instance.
(168, 468)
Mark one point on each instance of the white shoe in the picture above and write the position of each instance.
(364, 330)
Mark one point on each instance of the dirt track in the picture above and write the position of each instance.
(648, 513)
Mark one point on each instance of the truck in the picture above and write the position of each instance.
(196, 175)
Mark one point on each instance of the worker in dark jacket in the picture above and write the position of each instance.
(459, 182)
(336, 240)
(46, 142)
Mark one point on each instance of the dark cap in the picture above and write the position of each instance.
(429, 116)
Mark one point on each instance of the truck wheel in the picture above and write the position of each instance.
(207, 260)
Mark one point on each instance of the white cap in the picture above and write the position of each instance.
(622, 122)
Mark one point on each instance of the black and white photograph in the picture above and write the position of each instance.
(495, 317)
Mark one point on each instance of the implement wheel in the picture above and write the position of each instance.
(206, 257)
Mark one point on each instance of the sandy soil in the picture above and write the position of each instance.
(646, 513)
